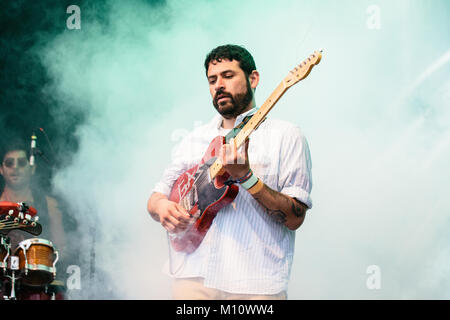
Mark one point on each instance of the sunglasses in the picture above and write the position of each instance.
(21, 162)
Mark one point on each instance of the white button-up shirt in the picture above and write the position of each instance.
(245, 250)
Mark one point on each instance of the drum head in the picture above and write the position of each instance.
(28, 242)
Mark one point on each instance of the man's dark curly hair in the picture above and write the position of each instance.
(232, 52)
(16, 144)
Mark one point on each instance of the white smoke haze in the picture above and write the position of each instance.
(375, 112)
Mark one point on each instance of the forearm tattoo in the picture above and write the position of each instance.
(285, 205)
(298, 208)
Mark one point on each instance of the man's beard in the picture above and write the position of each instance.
(238, 102)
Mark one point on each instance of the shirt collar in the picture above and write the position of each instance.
(218, 118)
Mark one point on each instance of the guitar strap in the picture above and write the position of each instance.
(234, 132)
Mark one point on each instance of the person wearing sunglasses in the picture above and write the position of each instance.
(18, 186)
(16, 172)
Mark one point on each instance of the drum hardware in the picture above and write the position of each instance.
(13, 266)
(5, 248)
(31, 270)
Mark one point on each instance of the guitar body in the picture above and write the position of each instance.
(202, 197)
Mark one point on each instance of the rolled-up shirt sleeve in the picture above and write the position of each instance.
(295, 178)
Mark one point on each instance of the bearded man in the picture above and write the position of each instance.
(247, 252)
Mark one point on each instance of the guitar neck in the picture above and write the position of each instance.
(217, 168)
(260, 115)
(297, 74)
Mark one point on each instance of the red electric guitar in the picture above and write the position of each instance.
(203, 190)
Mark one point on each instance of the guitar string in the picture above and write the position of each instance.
(12, 221)
(8, 225)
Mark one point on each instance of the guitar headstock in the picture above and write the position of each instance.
(301, 71)
(19, 216)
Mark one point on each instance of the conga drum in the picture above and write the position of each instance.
(53, 291)
(37, 260)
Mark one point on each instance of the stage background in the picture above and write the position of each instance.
(117, 84)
